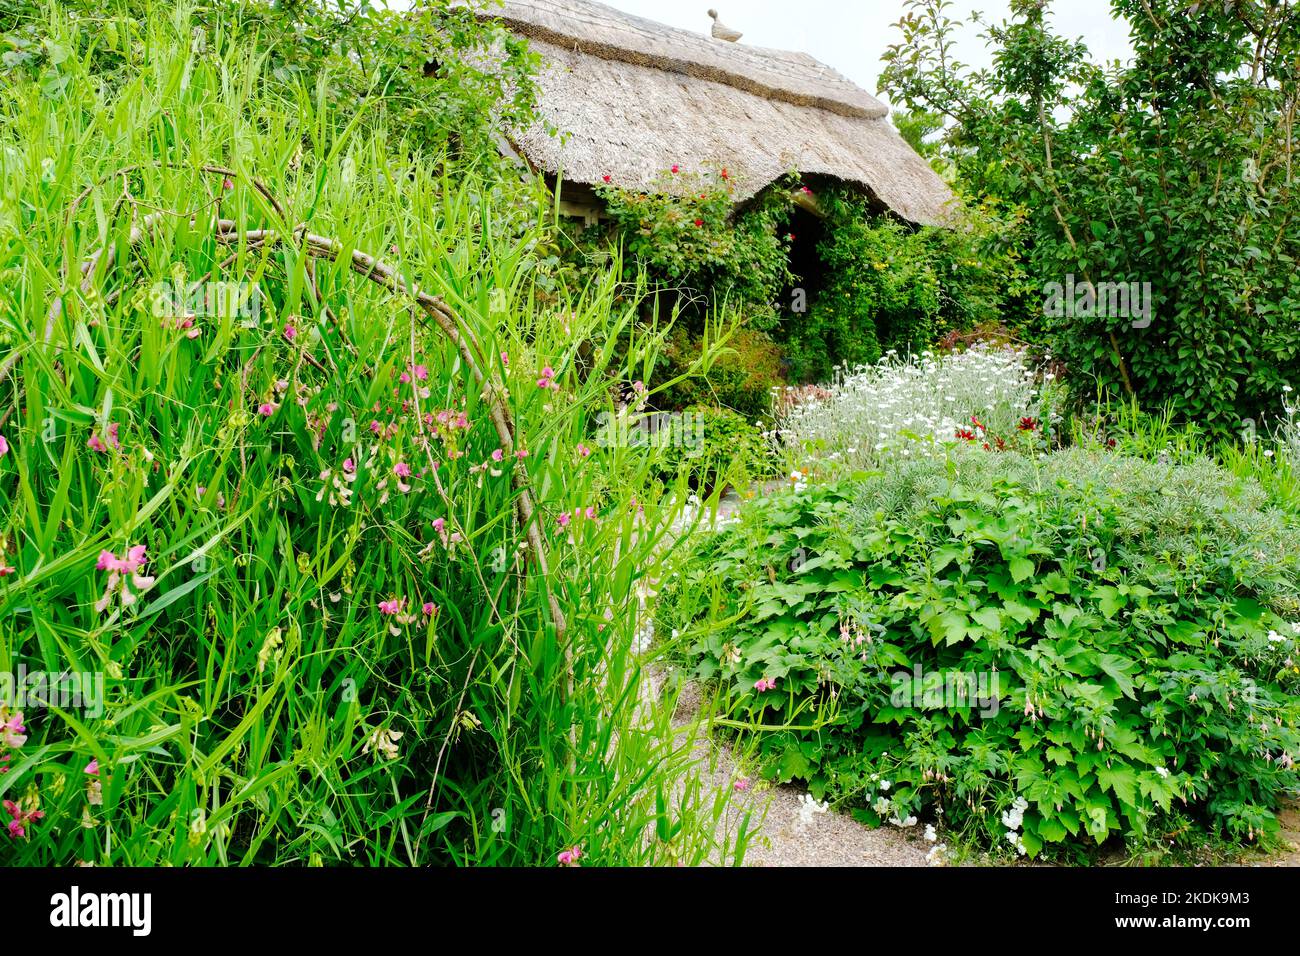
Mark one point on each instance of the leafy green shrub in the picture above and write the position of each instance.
(722, 448)
(687, 236)
(1173, 170)
(741, 378)
(1129, 622)
(447, 79)
(890, 286)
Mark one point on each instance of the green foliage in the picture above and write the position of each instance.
(686, 235)
(919, 130)
(740, 379)
(290, 488)
(1175, 170)
(444, 78)
(722, 449)
(1136, 615)
(890, 286)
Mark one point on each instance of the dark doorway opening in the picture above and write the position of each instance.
(806, 231)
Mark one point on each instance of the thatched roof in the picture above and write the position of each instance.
(632, 97)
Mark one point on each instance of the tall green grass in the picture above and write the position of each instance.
(261, 708)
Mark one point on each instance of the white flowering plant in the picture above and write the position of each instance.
(1287, 433)
(988, 397)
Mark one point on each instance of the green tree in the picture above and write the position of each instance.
(1174, 170)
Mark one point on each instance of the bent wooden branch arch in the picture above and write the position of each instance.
(372, 269)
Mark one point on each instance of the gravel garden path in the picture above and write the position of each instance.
(788, 835)
(785, 836)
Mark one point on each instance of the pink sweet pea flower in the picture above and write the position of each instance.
(563, 519)
(13, 733)
(569, 857)
(118, 571)
(498, 455)
(4, 446)
(390, 607)
(430, 609)
(402, 470)
(18, 825)
(92, 768)
(266, 409)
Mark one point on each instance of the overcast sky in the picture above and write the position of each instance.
(850, 35)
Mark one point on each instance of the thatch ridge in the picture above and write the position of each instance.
(632, 116)
(598, 30)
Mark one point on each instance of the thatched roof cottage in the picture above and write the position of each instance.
(631, 97)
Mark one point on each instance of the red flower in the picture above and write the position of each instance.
(606, 178)
(965, 434)
(725, 175)
(699, 222)
(976, 422)
(675, 168)
(1028, 424)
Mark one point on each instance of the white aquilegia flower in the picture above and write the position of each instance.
(809, 807)
(930, 834)
(1015, 814)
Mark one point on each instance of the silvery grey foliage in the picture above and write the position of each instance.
(914, 406)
